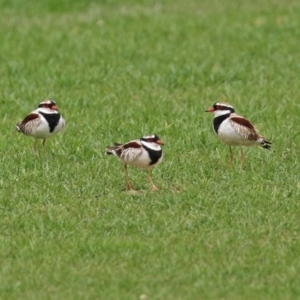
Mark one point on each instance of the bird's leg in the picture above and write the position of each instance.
(35, 148)
(231, 156)
(154, 188)
(44, 147)
(128, 184)
(242, 158)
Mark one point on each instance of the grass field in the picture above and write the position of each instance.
(119, 70)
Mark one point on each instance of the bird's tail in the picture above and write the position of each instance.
(266, 144)
(110, 150)
(18, 128)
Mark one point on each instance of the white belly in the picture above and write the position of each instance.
(135, 158)
(141, 161)
(43, 131)
(229, 136)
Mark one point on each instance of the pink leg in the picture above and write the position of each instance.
(128, 184)
(154, 188)
(231, 156)
(242, 158)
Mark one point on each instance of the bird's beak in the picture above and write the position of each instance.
(159, 142)
(210, 110)
(53, 107)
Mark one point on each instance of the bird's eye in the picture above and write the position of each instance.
(150, 140)
(219, 107)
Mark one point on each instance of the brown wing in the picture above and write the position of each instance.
(132, 144)
(244, 122)
(29, 123)
(130, 151)
(123, 148)
(30, 117)
(130, 147)
(244, 128)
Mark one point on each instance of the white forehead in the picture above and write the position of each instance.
(224, 104)
(47, 102)
(150, 136)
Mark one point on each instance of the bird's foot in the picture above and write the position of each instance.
(154, 188)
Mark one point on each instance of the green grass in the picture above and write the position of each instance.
(119, 70)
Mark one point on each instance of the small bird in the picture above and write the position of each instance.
(235, 130)
(42, 123)
(143, 153)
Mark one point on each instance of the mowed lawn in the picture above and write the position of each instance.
(122, 69)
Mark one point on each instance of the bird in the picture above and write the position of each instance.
(235, 130)
(42, 123)
(143, 153)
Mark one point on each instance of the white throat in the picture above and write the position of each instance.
(152, 145)
(218, 113)
(47, 110)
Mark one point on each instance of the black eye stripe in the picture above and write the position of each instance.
(150, 139)
(221, 107)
